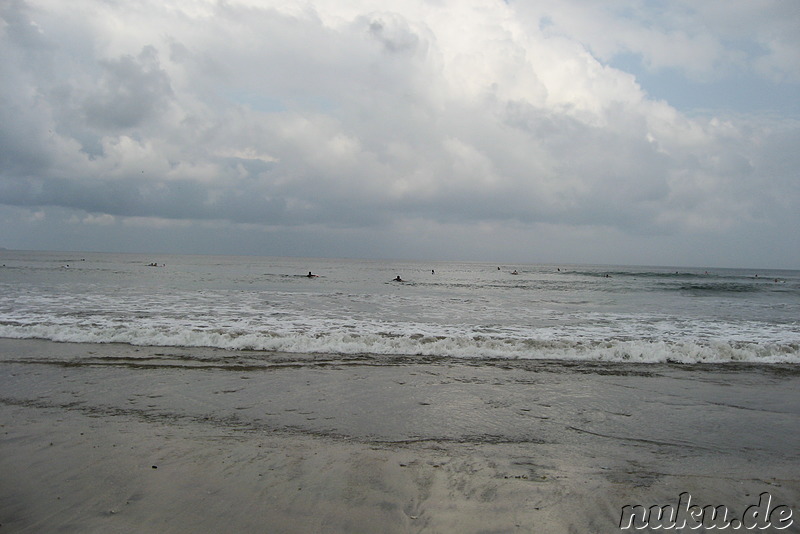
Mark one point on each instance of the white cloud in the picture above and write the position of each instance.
(100, 220)
(156, 223)
(703, 40)
(368, 115)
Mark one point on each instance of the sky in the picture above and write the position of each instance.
(543, 131)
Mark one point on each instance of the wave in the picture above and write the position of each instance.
(725, 287)
(640, 274)
(455, 346)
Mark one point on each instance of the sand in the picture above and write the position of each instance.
(112, 438)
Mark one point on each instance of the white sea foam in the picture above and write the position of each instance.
(463, 311)
(463, 346)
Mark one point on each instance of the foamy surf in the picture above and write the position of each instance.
(474, 347)
(459, 310)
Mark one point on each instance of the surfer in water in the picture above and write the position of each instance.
(398, 279)
(309, 275)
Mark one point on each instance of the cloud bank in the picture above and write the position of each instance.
(467, 129)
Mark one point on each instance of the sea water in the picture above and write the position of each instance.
(440, 309)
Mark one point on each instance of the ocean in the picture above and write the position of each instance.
(468, 310)
(169, 393)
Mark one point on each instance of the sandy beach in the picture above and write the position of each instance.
(114, 438)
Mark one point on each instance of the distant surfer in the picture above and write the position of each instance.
(309, 275)
(514, 272)
(398, 279)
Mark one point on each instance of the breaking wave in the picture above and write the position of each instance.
(454, 346)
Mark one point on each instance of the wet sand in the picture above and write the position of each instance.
(113, 438)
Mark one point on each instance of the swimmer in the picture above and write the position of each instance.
(514, 272)
(398, 279)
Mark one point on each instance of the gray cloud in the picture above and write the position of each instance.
(131, 90)
(365, 120)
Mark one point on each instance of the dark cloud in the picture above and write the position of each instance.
(130, 90)
(434, 120)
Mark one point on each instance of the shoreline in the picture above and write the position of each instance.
(119, 438)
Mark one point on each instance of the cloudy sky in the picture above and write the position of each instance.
(565, 131)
